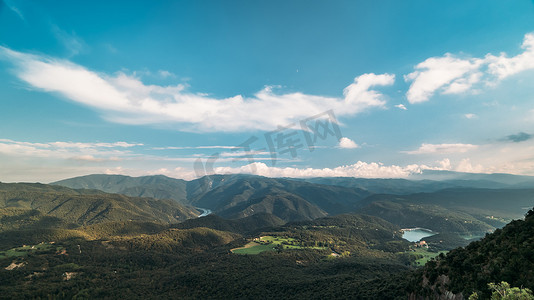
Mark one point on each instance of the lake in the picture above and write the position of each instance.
(416, 234)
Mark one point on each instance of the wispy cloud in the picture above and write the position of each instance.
(91, 158)
(126, 99)
(70, 41)
(450, 74)
(66, 150)
(442, 148)
(197, 147)
(13, 8)
(166, 74)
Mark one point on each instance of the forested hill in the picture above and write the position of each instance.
(83, 207)
(457, 210)
(505, 255)
(247, 225)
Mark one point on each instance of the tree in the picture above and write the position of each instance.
(503, 291)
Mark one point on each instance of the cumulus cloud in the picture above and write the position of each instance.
(466, 166)
(450, 74)
(359, 169)
(346, 143)
(445, 164)
(442, 148)
(126, 99)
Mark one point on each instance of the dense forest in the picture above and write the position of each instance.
(505, 255)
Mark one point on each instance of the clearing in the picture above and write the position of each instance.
(271, 243)
(26, 249)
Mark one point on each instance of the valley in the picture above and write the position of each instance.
(312, 237)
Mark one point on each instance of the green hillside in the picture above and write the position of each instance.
(81, 207)
(505, 255)
(147, 260)
(245, 226)
(434, 217)
(353, 256)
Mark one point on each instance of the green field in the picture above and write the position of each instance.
(423, 255)
(26, 249)
(270, 243)
(253, 248)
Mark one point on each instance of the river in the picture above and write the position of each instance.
(205, 211)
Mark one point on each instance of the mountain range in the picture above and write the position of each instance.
(462, 203)
(111, 236)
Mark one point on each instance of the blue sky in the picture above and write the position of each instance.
(165, 87)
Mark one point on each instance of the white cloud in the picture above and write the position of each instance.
(470, 116)
(125, 99)
(504, 156)
(359, 96)
(91, 158)
(196, 147)
(95, 152)
(346, 143)
(449, 74)
(439, 72)
(503, 66)
(58, 160)
(442, 148)
(401, 106)
(445, 164)
(244, 153)
(466, 166)
(359, 169)
(165, 74)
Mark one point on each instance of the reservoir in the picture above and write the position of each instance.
(416, 234)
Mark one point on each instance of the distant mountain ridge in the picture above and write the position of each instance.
(233, 196)
(157, 186)
(241, 195)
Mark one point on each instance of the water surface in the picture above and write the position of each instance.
(416, 234)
